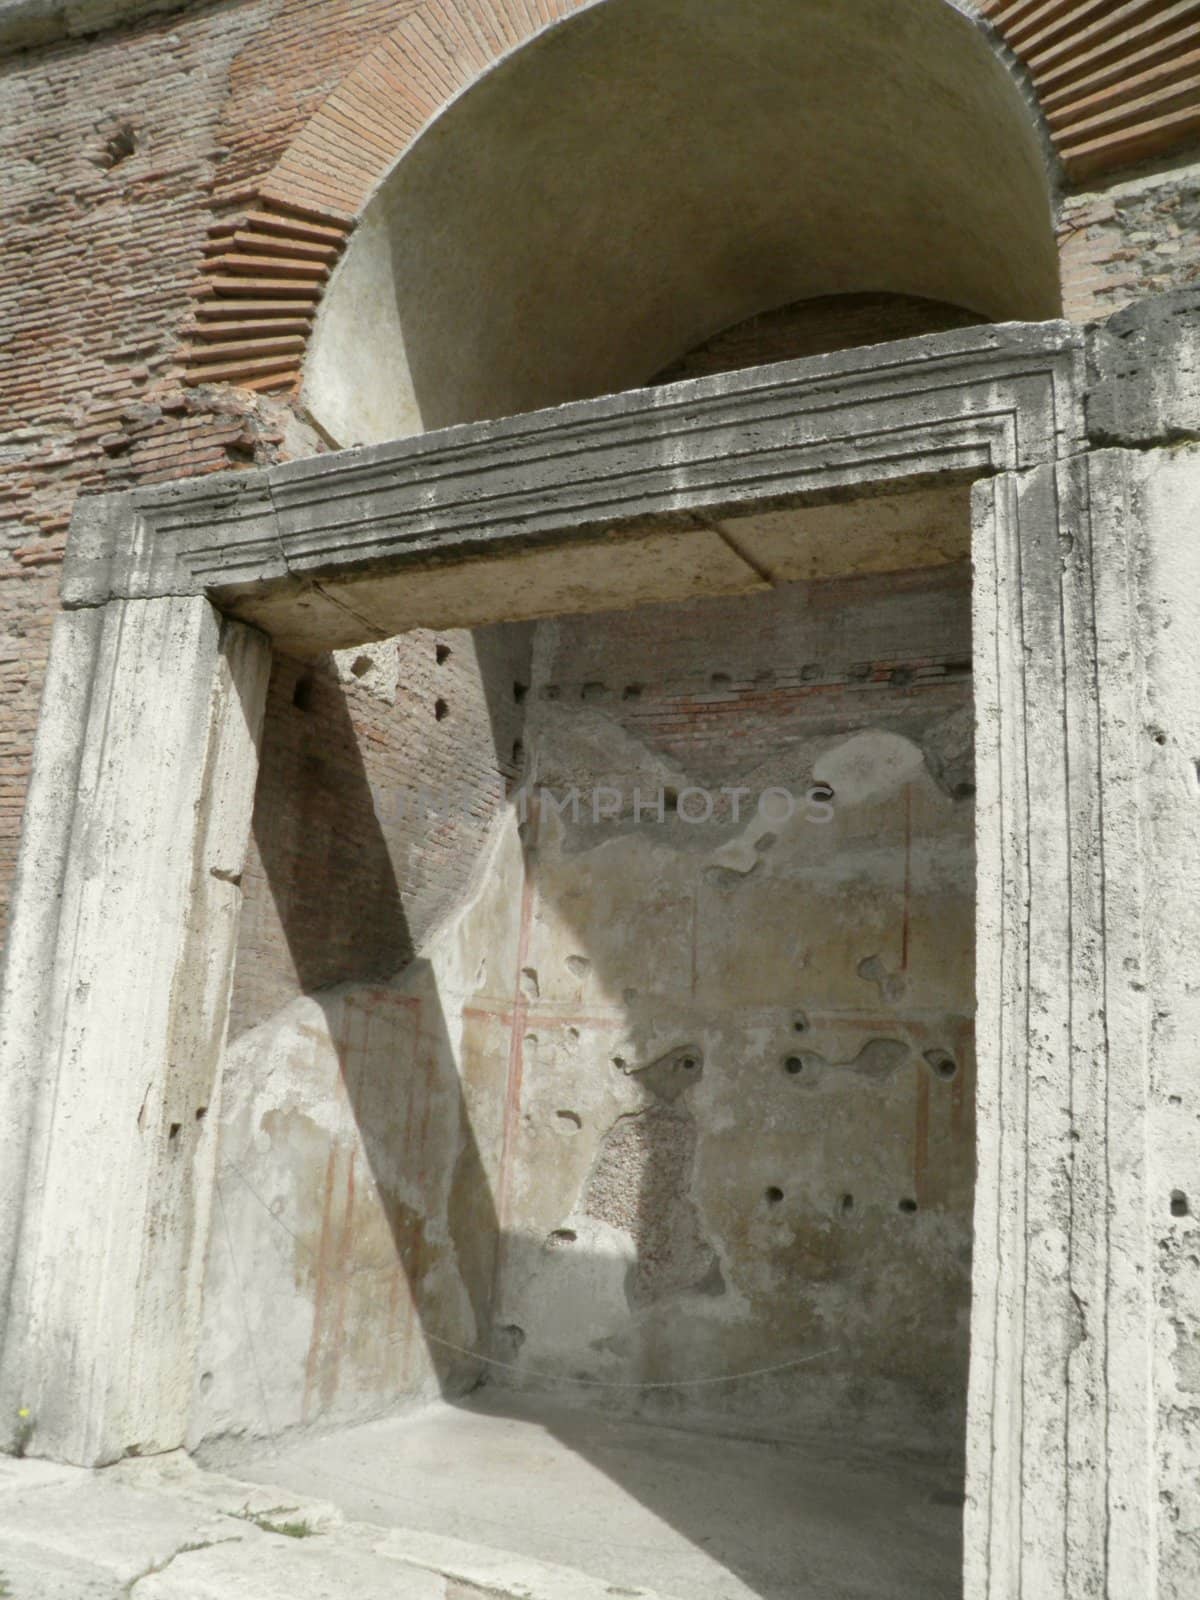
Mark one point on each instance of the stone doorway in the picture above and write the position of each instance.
(526, 518)
(670, 1123)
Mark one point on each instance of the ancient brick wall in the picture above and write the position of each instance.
(121, 152)
(728, 686)
(1131, 239)
(372, 806)
(127, 153)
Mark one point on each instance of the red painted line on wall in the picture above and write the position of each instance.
(312, 1362)
(695, 933)
(516, 1042)
(904, 940)
(921, 1139)
(331, 1369)
(380, 999)
(544, 1019)
(398, 1333)
(962, 1098)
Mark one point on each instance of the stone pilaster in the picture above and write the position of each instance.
(116, 995)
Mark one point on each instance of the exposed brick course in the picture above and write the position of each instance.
(177, 189)
(353, 856)
(1131, 240)
(121, 152)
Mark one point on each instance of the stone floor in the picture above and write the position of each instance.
(497, 1497)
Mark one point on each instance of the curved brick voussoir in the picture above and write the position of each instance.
(1115, 84)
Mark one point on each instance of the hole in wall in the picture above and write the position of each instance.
(201, 1113)
(632, 691)
(562, 1236)
(846, 1204)
(1180, 1205)
(174, 1130)
(794, 1065)
(441, 654)
(800, 1023)
(571, 1121)
(441, 710)
(117, 146)
(302, 694)
(908, 1206)
(773, 1195)
(942, 1063)
(360, 666)
(520, 690)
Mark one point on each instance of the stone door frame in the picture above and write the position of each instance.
(116, 1001)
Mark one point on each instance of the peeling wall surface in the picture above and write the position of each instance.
(672, 1096)
(745, 1130)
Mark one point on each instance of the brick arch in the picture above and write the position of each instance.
(1117, 82)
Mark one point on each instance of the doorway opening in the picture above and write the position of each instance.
(648, 1178)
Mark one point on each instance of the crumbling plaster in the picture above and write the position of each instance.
(682, 1018)
(734, 1150)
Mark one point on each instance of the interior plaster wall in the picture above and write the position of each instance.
(505, 1149)
(746, 1130)
(360, 1141)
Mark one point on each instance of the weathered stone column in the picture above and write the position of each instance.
(1085, 1361)
(1039, 1044)
(1145, 514)
(115, 1002)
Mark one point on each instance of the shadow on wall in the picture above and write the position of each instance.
(346, 1124)
(374, 1225)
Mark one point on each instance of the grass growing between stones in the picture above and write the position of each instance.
(293, 1528)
